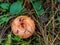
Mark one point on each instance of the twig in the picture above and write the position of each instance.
(42, 31)
(55, 39)
(49, 21)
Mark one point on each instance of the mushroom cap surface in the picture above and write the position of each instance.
(23, 26)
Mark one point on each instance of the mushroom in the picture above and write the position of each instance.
(23, 26)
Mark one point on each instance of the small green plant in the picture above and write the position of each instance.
(4, 19)
(8, 42)
(4, 6)
(37, 7)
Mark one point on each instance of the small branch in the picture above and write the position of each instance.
(55, 39)
(49, 22)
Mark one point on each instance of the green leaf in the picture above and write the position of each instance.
(57, 24)
(16, 7)
(58, 19)
(26, 43)
(4, 19)
(59, 1)
(5, 5)
(37, 7)
(16, 38)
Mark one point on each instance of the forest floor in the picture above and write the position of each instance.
(45, 13)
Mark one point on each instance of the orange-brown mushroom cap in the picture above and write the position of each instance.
(23, 26)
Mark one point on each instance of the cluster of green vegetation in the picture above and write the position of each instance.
(45, 13)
